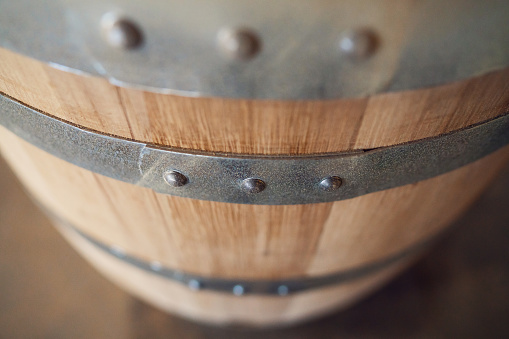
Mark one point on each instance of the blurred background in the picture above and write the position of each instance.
(459, 289)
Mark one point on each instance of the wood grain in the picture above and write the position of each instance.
(67, 299)
(223, 308)
(248, 241)
(254, 127)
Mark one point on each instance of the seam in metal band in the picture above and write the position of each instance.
(240, 287)
(261, 180)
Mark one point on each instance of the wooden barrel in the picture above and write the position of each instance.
(255, 177)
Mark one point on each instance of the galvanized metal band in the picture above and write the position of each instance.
(281, 287)
(307, 49)
(286, 180)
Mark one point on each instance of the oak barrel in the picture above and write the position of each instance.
(261, 164)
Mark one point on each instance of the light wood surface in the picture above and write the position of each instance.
(247, 126)
(249, 241)
(223, 308)
(459, 290)
(424, 211)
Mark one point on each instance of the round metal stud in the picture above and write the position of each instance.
(238, 290)
(252, 185)
(358, 44)
(238, 43)
(121, 32)
(175, 179)
(194, 284)
(283, 290)
(331, 183)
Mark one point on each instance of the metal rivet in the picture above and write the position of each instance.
(238, 290)
(238, 43)
(331, 183)
(121, 32)
(252, 185)
(155, 265)
(175, 179)
(283, 290)
(358, 44)
(194, 284)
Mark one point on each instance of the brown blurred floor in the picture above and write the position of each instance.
(460, 290)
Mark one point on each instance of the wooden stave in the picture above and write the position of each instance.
(249, 126)
(146, 286)
(227, 309)
(26, 171)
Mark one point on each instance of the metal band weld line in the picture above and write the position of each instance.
(289, 179)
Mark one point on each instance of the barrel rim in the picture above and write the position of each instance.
(253, 179)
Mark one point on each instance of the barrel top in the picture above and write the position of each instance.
(260, 49)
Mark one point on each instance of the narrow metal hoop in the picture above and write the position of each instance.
(283, 287)
(261, 180)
